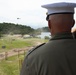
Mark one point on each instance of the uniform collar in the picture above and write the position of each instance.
(62, 36)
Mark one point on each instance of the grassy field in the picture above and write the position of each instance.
(11, 66)
(9, 43)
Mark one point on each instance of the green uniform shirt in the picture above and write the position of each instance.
(57, 57)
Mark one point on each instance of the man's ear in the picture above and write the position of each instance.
(49, 24)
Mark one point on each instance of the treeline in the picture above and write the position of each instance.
(43, 29)
(10, 28)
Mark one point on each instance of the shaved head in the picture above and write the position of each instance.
(60, 23)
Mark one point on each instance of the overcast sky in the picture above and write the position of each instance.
(30, 12)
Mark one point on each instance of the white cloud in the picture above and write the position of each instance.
(29, 11)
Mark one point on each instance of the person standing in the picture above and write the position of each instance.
(58, 56)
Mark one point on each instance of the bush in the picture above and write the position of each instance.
(46, 37)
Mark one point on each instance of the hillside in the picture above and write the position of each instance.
(10, 28)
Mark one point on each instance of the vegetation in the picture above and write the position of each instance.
(45, 29)
(13, 42)
(11, 66)
(46, 37)
(11, 28)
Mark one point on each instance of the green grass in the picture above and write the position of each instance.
(11, 43)
(14, 44)
(11, 66)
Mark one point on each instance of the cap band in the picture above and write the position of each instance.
(58, 13)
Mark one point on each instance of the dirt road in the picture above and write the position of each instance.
(16, 51)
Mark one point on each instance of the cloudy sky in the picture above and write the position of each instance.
(30, 12)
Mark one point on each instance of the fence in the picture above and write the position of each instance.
(19, 57)
(5, 55)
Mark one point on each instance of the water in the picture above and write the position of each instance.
(43, 34)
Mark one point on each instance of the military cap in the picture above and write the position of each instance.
(60, 8)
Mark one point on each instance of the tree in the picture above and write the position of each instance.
(7, 28)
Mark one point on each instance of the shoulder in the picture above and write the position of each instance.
(33, 49)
